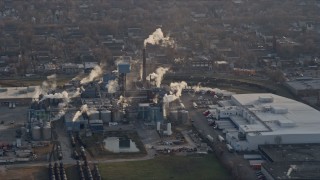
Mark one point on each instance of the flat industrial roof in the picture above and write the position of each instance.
(304, 84)
(19, 92)
(299, 170)
(279, 114)
(291, 152)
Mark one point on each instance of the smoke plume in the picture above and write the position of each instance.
(176, 91)
(49, 85)
(52, 81)
(112, 86)
(157, 38)
(215, 90)
(158, 75)
(62, 111)
(83, 109)
(94, 75)
(77, 93)
(176, 88)
(64, 95)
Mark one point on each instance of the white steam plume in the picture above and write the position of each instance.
(77, 93)
(52, 81)
(158, 75)
(94, 75)
(176, 87)
(122, 101)
(62, 111)
(176, 91)
(157, 37)
(112, 86)
(64, 95)
(215, 90)
(83, 109)
(46, 86)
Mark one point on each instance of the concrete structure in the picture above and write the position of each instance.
(19, 94)
(105, 116)
(270, 119)
(291, 170)
(79, 123)
(291, 152)
(304, 86)
(291, 161)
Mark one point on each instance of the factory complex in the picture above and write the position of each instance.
(266, 119)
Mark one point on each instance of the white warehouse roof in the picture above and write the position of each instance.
(281, 115)
(270, 119)
(30, 92)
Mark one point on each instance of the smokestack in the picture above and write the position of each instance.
(144, 72)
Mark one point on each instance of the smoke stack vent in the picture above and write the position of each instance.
(144, 72)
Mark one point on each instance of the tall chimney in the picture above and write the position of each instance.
(144, 69)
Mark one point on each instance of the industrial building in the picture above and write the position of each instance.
(268, 119)
(304, 86)
(291, 170)
(21, 95)
(291, 161)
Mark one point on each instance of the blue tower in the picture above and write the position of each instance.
(123, 70)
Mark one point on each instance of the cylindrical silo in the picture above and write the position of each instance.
(116, 115)
(106, 116)
(184, 116)
(36, 133)
(169, 131)
(174, 115)
(93, 115)
(46, 131)
(158, 126)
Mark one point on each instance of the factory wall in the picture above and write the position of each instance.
(252, 141)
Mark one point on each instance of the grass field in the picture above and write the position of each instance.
(167, 167)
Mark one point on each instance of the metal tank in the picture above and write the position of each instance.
(36, 133)
(174, 115)
(116, 115)
(106, 116)
(93, 114)
(46, 131)
(184, 116)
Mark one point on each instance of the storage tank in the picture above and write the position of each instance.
(116, 115)
(184, 117)
(106, 116)
(93, 114)
(46, 131)
(36, 133)
(158, 126)
(169, 131)
(174, 115)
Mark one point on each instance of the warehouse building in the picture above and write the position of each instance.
(269, 119)
(18, 95)
(291, 161)
(304, 86)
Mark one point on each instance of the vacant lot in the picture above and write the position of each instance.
(27, 173)
(166, 167)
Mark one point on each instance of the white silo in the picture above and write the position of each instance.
(46, 131)
(36, 133)
(106, 116)
(158, 126)
(169, 131)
